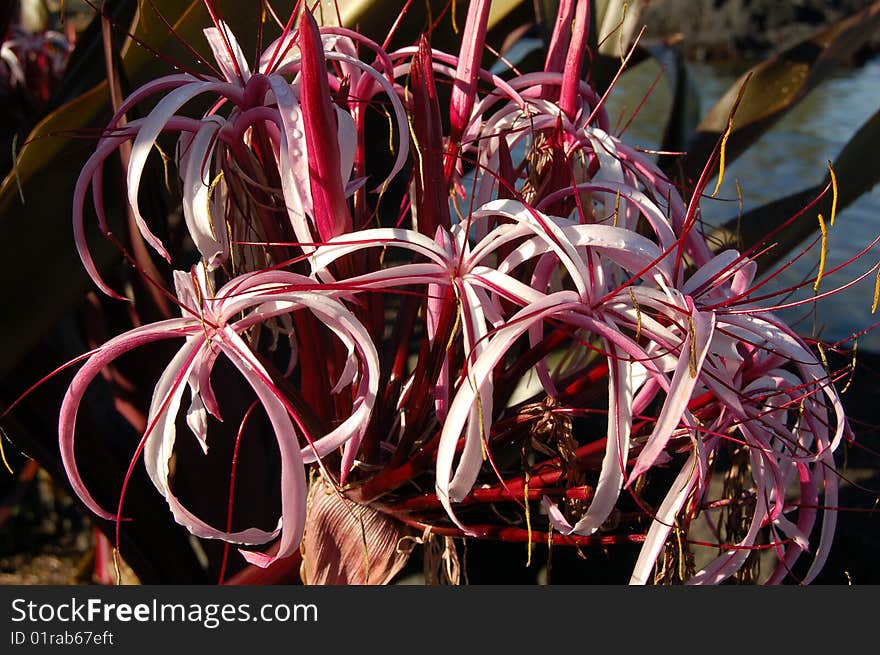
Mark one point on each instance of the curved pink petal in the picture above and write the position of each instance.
(228, 53)
(684, 380)
(169, 329)
(611, 477)
(149, 131)
(206, 227)
(461, 410)
(663, 521)
(159, 446)
(294, 489)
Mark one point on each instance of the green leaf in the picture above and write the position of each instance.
(775, 86)
(684, 114)
(44, 275)
(854, 176)
(614, 25)
(372, 18)
(37, 245)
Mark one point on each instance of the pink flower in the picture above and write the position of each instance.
(536, 268)
(212, 324)
(215, 152)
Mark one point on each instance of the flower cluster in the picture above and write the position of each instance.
(33, 63)
(498, 304)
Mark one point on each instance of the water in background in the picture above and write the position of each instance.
(790, 157)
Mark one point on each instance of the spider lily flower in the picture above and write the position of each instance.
(451, 261)
(686, 334)
(575, 278)
(782, 418)
(211, 325)
(34, 62)
(567, 307)
(216, 153)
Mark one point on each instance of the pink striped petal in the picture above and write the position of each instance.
(228, 54)
(169, 329)
(684, 380)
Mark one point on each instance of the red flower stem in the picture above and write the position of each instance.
(392, 373)
(583, 385)
(330, 208)
(390, 478)
(571, 77)
(314, 381)
(426, 372)
(431, 188)
(230, 504)
(520, 535)
(497, 494)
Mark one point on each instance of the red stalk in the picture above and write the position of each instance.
(432, 201)
(330, 208)
(520, 535)
(464, 89)
(515, 492)
(574, 60)
(426, 373)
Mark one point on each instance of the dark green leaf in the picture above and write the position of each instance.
(855, 176)
(37, 248)
(775, 86)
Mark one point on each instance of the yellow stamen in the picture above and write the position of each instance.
(201, 301)
(165, 161)
(230, 240)
(721, 155)
(822, 355)
(681, 553)
(454, 332)
(692, 355)
(483, 450)
(852, 367)
(454, 22)
(632, 295)
(616, 209)
(823, 253)
(211, 188)
(391, 148)
(528, 522)
(3, 453)
(833, 193)
(876, 292)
